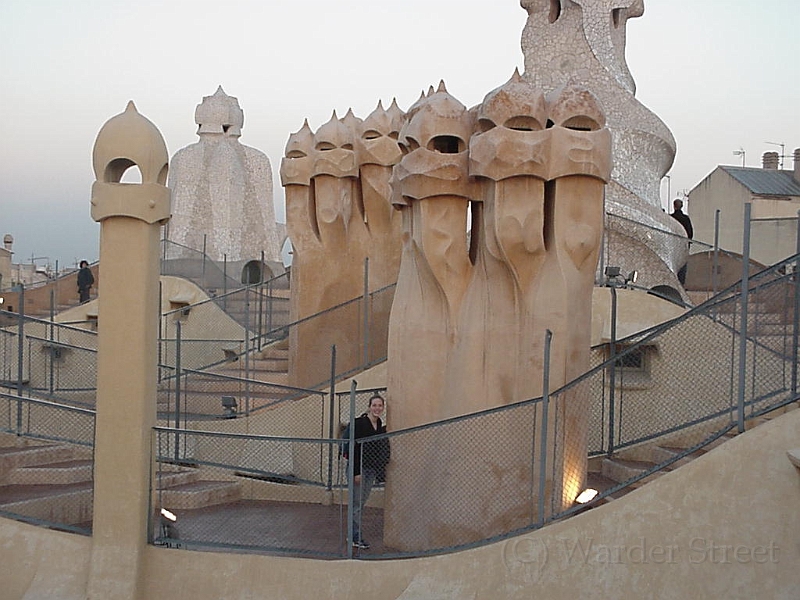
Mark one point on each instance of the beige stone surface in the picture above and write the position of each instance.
(481, 307)
(131, 216)
(723, 526)
(339, 216)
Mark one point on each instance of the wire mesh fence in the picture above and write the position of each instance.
(650, 401)
(655, 397)
(224, 327)
(189, 395)
(247, 492)
(358, 329)
(46, 464)
(656, 254)
(54, 361)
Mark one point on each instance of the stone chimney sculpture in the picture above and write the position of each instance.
(222, 190)
(470, 317)
(339, 218)
(583, 41)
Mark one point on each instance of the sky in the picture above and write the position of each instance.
(722, 74)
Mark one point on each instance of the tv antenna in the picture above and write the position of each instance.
(740, 152)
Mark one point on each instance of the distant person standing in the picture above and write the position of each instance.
(85, 281)
(682, 218)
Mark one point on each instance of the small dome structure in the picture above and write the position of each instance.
(129, 139)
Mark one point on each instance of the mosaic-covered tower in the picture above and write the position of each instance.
(222, 189)
(583, 41)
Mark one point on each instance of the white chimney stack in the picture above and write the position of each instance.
(770, 161)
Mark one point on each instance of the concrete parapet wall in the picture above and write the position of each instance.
(673, 538)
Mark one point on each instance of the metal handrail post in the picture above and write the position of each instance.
(269, 305)
(366, 311)
(612, 376)
(715, 264)
(177, 389)
(161, 330)
(744, 309)
(20, 353)
(203, 271)
(260, 300)
(331, 434)
(548, 336)
(795, 332)
(351, 444)
(247, 329)
(52, 338)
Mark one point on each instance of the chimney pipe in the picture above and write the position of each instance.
(770, 161)
(796, 173)
(8, 239)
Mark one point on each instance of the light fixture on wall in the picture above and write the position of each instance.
(169, 528)
(615, 278)
(229, 407)
(586, 496)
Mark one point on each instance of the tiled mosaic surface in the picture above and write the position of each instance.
(222, 189)
(583, 41)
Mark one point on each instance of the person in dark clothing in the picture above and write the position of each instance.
(682, 218)
(85, 281)
(369, 461)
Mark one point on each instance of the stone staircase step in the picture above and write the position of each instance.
(23, 456)
(67, 504)
(620, 470)
(661, 454)
(199, 494)
(61, 473)
(168, 479)
(227, 387)
(276, 352)
(281, 378)
(211, 404)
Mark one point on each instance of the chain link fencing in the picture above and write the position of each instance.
(46, 463)
(358, 329)
(665, 261)
(51, 360)
(651, 401)
(247, 492)
(224, 327)
(188, 395)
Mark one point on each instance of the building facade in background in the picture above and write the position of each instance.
(774, 195)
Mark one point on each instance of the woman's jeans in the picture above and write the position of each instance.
(361, 492)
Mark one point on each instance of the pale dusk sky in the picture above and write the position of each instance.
(722, 74)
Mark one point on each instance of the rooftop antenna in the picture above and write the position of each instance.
(783, 151)
(740, 152)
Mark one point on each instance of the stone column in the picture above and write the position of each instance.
(131, 216)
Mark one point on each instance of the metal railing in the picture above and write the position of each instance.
(681, 386)
(54, 465)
